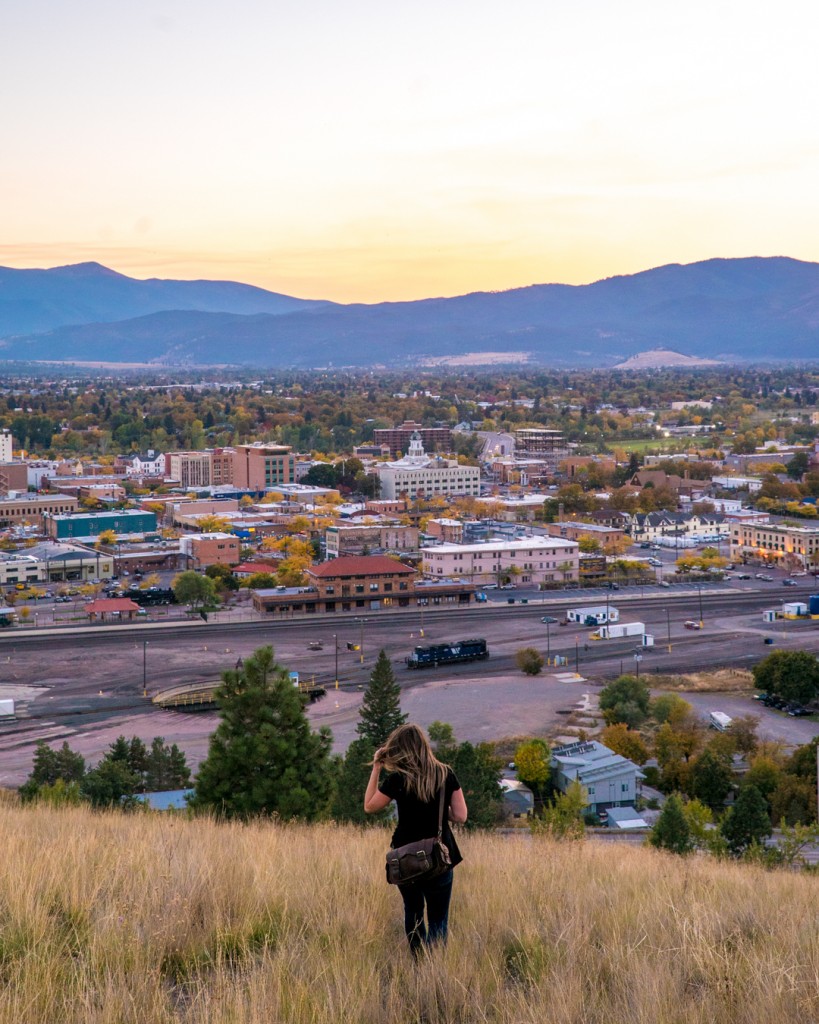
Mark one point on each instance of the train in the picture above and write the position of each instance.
(448, 654)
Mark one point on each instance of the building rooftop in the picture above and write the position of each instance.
(363, 565)
(511, 543)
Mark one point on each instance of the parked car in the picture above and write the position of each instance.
(798, 572)
(664, 583)
(645, 545)
(509, 586)
(798, 712)
(789, 583)
(654, 561)
(764, 576)
(550, 619)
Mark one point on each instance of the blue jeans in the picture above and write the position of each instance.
(436, 895)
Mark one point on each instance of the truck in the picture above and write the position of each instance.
(719, 720)
(448, 654)
(614, 632)
(596, 615)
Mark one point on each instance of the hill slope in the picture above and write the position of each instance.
(734, 310)
(140, 918)
(41, 300)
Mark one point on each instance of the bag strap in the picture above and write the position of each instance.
(441, 811)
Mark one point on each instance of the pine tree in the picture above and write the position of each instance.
(478, 772)
(381, 710)
(747, 822)
(263, 757)
(354, 774)
(671, 830)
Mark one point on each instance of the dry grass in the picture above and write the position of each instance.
(723, 680)
(150, 920)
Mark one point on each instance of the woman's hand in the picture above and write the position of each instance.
(377, 757)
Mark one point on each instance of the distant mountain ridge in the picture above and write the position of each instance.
(756, 308)
(32, 301)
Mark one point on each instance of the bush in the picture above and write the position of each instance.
(529, 660)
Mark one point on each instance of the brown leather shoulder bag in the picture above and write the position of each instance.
(421, 860)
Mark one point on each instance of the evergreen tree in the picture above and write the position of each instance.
(671, 830)
(263, 757)
(50, 765)
(109, 783)
(478, 772)
(747, 822)
(165, 767)
(353, 776)
(381, 710)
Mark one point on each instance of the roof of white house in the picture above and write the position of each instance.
(590, 761)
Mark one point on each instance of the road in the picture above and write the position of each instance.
(88, 687)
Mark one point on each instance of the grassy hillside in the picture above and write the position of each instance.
(144, 920)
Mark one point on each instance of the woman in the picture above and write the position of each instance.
(414, 782)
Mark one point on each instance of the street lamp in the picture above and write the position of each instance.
(577, 655)
(699, 591)
(335, 649)
(548, 619)
(668, 621)
(144, 668)
(361, 639)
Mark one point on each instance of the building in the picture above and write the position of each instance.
(774, 544)
(16, 567)
(13, 477)
(397, 439)
(203, 549)
(150, 463)
(369, 538)
(524, 560)
(606, 536)
(548, 446)
(92, 524)
(71, 562)
(34, 507)
(6, 445)
(418, 475)
(190, 469)
(261, 467)
(609, 779)
(666, 528)
(222, 467)
(448, 531)
(362, 584)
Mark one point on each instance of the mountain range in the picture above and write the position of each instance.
(732, 310)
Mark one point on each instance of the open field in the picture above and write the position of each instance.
(142, 919)
(723, 680)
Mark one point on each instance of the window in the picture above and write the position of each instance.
(359, 588)
(373, 587)
(624, 787)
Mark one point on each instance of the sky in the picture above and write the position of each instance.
(364, 151)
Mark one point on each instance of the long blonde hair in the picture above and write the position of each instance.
(408, 752)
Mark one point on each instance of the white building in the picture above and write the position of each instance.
(6, 453)
(609, 779)
(419, 475)
(520, 560)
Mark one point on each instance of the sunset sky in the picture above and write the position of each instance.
(365, 151)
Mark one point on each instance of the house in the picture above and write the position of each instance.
(518, 799)
(609, 779)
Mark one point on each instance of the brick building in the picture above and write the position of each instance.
(397, 439)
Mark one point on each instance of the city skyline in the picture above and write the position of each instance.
(366, 154)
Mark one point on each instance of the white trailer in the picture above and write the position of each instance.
(719, 720)
(6, 708)
(622, 629)
(600, 614)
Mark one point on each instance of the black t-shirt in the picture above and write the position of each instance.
(419, 820)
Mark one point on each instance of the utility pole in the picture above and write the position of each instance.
(144, 668)
(668, 621)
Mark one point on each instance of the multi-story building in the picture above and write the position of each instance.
(33, 507)
(548, 446)
(6, 445)
(365, 584)
(13, 477)
(397, 439)
(191, 469)
(610, 780)
(418, 475)
(203, 549)
(260, 467)
(608, 537)
(92, 524)
(222, 467)
(369, 538)
(522, 560)
(789, 546)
